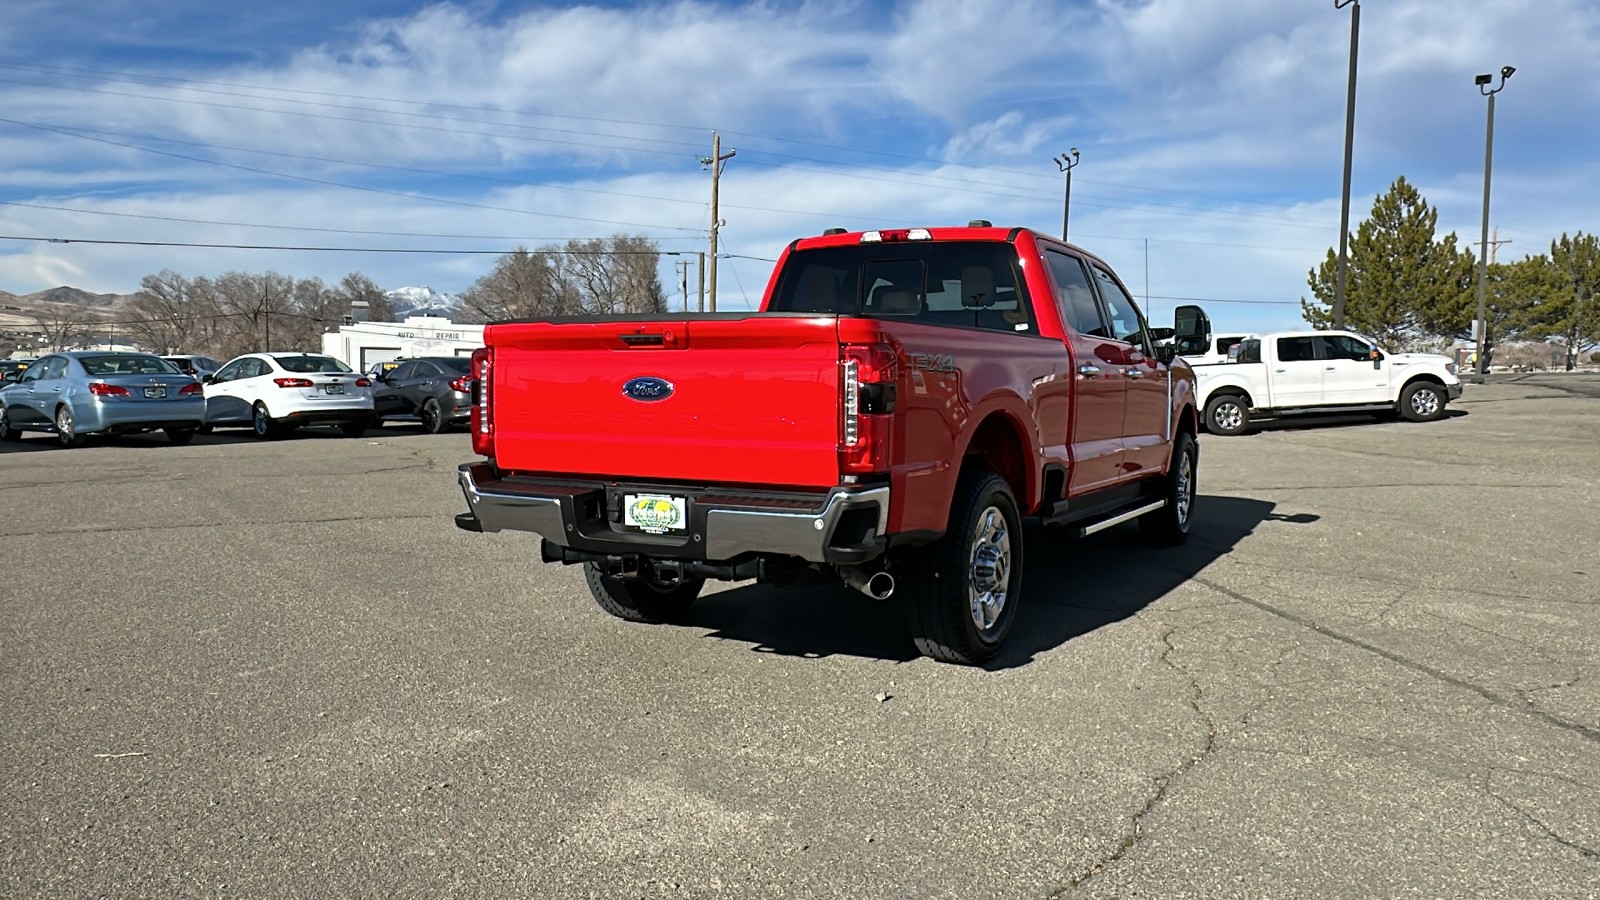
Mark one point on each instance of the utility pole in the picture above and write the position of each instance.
(715, 162)
(702, 282)
(682, 266)
(1065, 163)
(1349, 139)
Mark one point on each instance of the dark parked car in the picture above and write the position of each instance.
(84, 392)
(434, 390)
(11, 369)
(195, 366)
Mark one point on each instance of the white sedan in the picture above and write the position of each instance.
(273, 393)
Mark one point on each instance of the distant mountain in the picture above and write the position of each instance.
(74, 297)
(422, 301)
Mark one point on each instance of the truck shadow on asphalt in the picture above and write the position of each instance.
(1070, 588)
(1342, 420)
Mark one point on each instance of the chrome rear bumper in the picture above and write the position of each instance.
(845, 524)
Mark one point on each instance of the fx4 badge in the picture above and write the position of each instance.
(933, 362)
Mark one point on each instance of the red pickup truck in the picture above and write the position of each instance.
(900, 402)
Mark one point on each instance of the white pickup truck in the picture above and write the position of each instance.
(1298, 372)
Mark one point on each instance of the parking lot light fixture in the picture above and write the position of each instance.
(1487, 88)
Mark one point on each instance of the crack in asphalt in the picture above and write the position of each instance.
(1488, 789)
(1495, 698)
(1164, 783)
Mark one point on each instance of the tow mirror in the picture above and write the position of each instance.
(1191, 329)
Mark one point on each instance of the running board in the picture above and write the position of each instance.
(1118, 519)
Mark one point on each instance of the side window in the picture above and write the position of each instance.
(402, 372)
(1126, 323)
(228, 372)
(57, 368)
(1074, 296)
(1297, 349)
(252, 368)
(35, 371)
(1343, 346)
(426, 370)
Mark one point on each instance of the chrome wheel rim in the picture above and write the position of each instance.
(1183, 499)
(64, 425)
(1424, 402)
(989, 568)
(1228, 416)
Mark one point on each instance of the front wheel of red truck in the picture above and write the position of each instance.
(638, 599)
(961, 592)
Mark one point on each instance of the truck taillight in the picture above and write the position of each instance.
(482, 395)
(867, 388)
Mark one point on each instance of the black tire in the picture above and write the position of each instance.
(180, 435)
(1227, 414)
(638, 600)
(66, 429)
(1422, 401)
(433, 418)
(1169, 525)
(960, 594)
(263, 424)
(354, 429)
(7, 432)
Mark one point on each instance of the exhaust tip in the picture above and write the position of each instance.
(880, 586)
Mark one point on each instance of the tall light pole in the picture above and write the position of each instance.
(1349, 143)
(1484, 82)
(1065, 162)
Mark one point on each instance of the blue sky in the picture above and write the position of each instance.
(1211, 135)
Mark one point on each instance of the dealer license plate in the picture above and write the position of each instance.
(655, 513)
(334, 388)
(155, 393)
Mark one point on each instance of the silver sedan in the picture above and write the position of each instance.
(85, 392)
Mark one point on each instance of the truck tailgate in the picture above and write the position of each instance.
(714, 400)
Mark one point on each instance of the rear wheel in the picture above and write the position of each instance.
(1227, 414)
(433, 418)
(180, 435)
(961, 593)
(7, 431)
(262, 423)
(1169, 525)
(1422, 401)
(641, 600)
(66, 429)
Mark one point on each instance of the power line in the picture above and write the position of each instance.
(560, 252)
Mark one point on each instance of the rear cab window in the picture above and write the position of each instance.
(960, 284)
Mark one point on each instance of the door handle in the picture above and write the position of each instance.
(1088, 371)
(1329, 369)
(1280, 371)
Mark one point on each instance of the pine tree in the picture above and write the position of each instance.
(1402, 286)
(1572, 309)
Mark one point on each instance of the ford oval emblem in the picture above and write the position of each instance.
(647, 389)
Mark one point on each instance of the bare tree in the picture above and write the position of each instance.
(163, 316)
(521, 285)
(358, 287)
(63, 327)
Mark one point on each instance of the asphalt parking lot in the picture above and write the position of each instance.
(276, 669)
